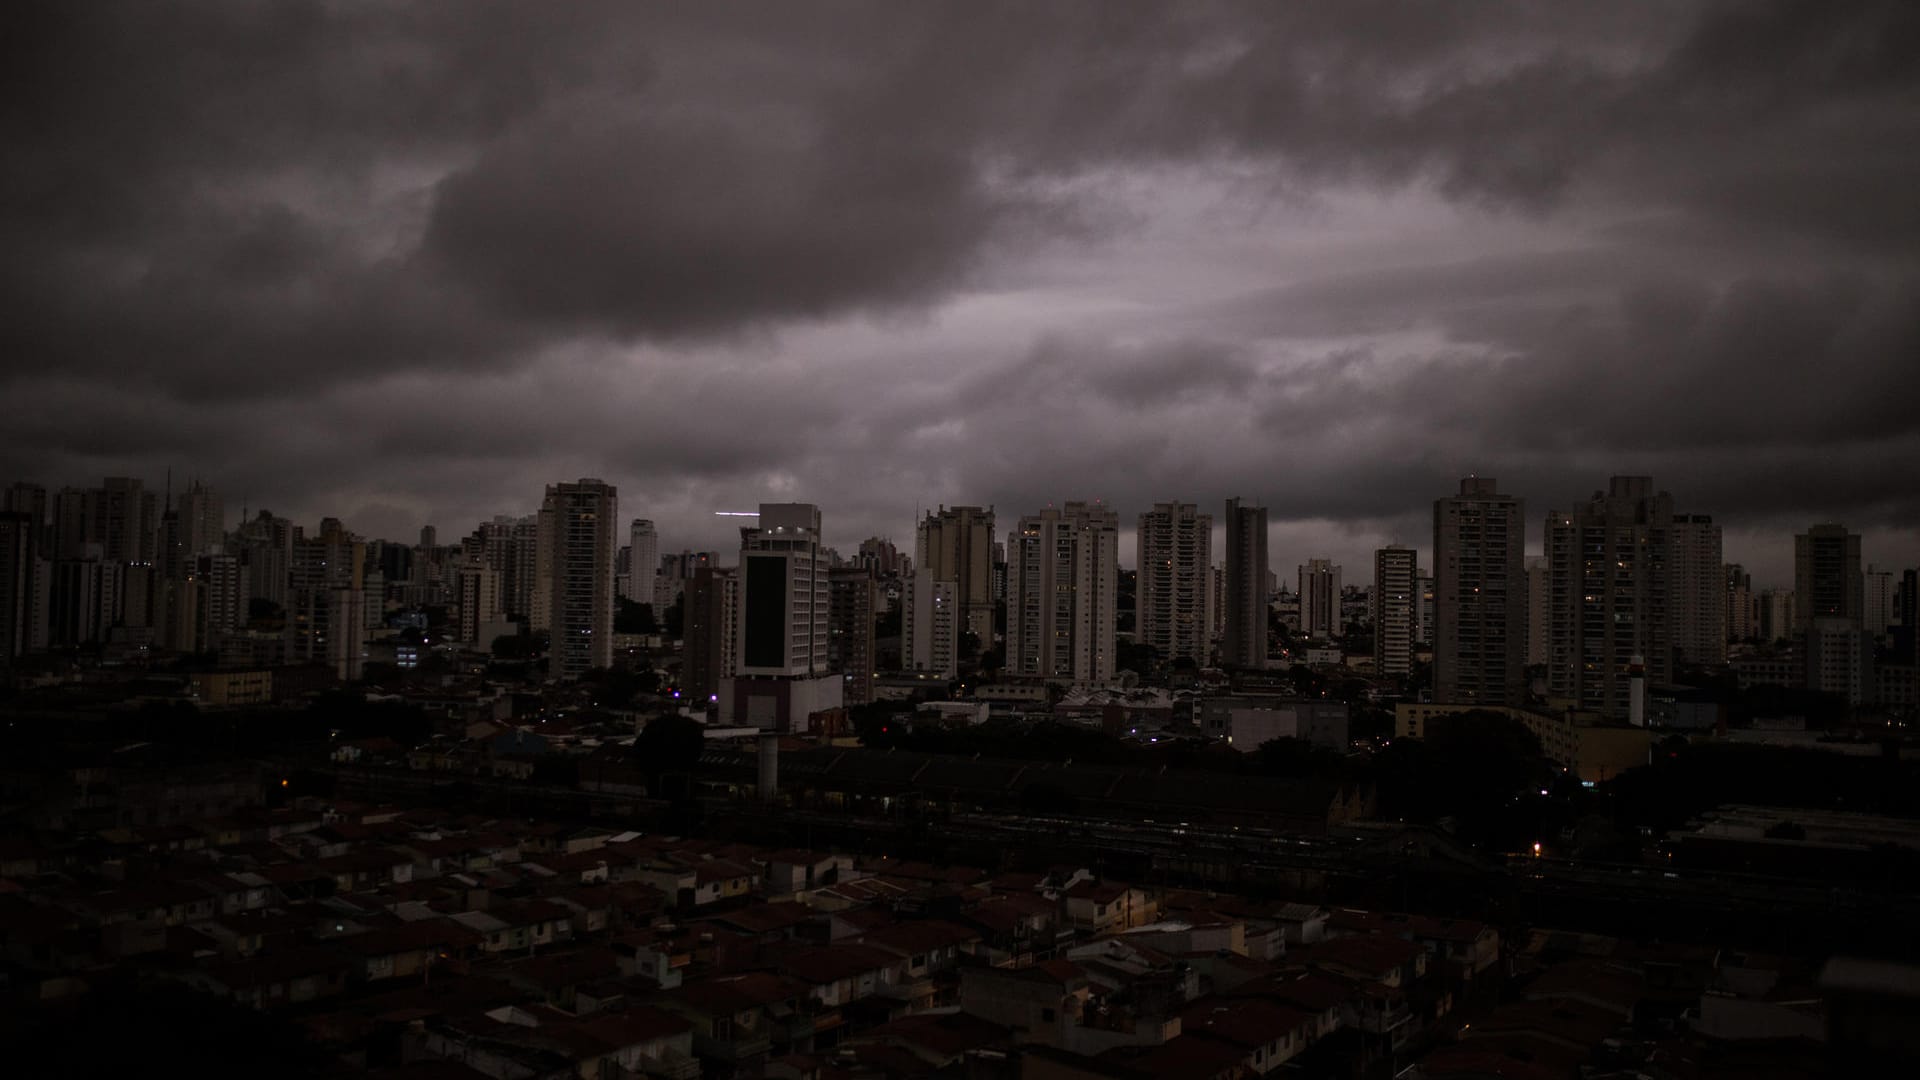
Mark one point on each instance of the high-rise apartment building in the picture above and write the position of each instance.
(1395, 571)
(221, 603)
(850, 632)
(477, 595)
(1839, 658)
(1697, 595)
(785, 593)
(929, 625)
(783, 676)
(1423, 591)
(955, 543)
(580, 519)
(1827, 583)
(1538, 596)
(19, 539)
(1479, 591)
(643, 563)
(22, 497)
(1063, 579)
(1905, 630)
(120, 516)
(1320, 599)
(880, 556)
(1776, 614)
(1877, 601)
(1175, 550)
(1244, 640)
(203, 520)
(1216, 602)
(511, 546)
(711, 616)
(1743, 619)
(1612, 584)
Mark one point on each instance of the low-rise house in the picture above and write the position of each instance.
(1038, 1004)
(1202, 933)
(513, 1042)
(735, 1019)
(1017, 929)
(1266, 1033)
(163, 902)
(237, 891)
(1302, 924)
(277, 979)
(1107, 907)
(838, 975)
(410, 950)
(515, 927)
(929, 951)
(1326, 1000)
(937, 1040)
(778, 921)
(1182, 1058)
(717, 880)
(1380, 958)
(791, 871)
(652, 955)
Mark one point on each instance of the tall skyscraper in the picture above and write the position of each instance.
(711, 614)
(582, 517)
(1320, 599)
(785, 593)
(850, 632)
(1244, 642)
(1539, 596)
(880, 556)
(643, 563)
(120, 516)
(19, 537)
(1877, 602)
(1612, 581)
(955, 543)
(1423, 592)
(1697, 597)
(1063, 580)
(1905, 630)
(30, 499)
(477, 595)
(1776, 614)
(929, 625)
(1839, 658)
(203, 521)
(1395, 571)
(1743, 619)
(511, 546)
(1175, 551)
(783, 676)
(1480, 601)
(221, 603)
(1826, 576)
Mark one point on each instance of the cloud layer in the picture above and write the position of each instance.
(406, 263)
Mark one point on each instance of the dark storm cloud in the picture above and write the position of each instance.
(661, 229)
(430, 255)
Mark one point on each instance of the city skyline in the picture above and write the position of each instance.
(877, 258)
(1770, 557)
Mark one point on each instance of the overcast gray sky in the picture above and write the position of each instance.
(406, 263)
